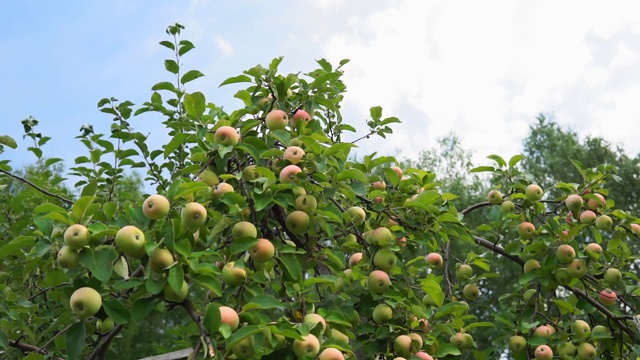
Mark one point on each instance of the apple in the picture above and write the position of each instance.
(607, 297)
(85, 302)
(566, 350)
(604, 222)
(130, 240)
(586, 351)
(599, 332)
(533, 192)
(593, 250)
(297, 222)
(230, 317)
(355, 259)
(67, 258)
(298, 116)
(193, 215)
(543, 352)
(357, 215)
(156, 207)
(338, 336)
(401, 242)
(428, 300)
(288, 174)
(381, 237)
(382, 313)
(263, 251)
(209, 177)
(293, 154)
(104, 326)
(494, 197)
(309, 346)
(544, 331)
(635, 228)
(76, 236)
(160, 260)
(580, 330)
(526, 230)
(587, 217)
(471, 291)
(507, 207)
(612, 276)
(276, 120)
(423, 355)
(315, 319)
(249, 173)
(517, 343)
(243, 229)
(416, 341)
(562, 276)
(458, 340)
(378, 281)
(565, 253)
(171, 295)
(402, 345)
(574, 202)
(434, 260)
(232, 275)
(577, 269)
(298, 191)
(531, 265)
(398, 171)
(379, 185)
(423, 324)
(306, 203)
(464, 272)
(226, 136)
(331, 354)
(385, 259)
(594, 204)
(244, 349)
(222, 189)
(526, 297)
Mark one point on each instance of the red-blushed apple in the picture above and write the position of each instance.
(357, 215)
(604, 222)
(543, 352)
(355, 259)
(130, 240)
(76, 236)
(526, 230)
(471, 291)
(593, 250)
(277, 120)
(577, 269)
(574, 202)
(297, 222)
(635, 228)
(222, 189)
(378, 281)
(533, 192)
(331, 354)
(226, 136)
(531, 265)
(293, 154)
(401, 242)
(422, 324)
(300, 115)
(382, 313)
(308, 346)
(289, 173)
(398, 171)
(594, 204)
(243, 229)
(67, 258)
(156, 207)
(416, 341)
(315, 319)
(160, 260)
(85, 302)
(306, 203)
(458, 340)
(423, 355)
(565, 253)
(607, 297)
(230, 317)
(494, 197)
(587, 217)
(517, 343)
(544, 331)
(402, 345)
(263, 251)
(193, 215)
(379, 185)
(434, 260)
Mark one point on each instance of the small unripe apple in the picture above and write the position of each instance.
(193, 215)
(507, 207)
(543, 352)
(67, 258)
(338, 336)
(531, 265)
(574, 202)
(331, 354)
(471, 291)
(378, 281)
(288, 174)
(293, 154)
(604, 222)
(230, 317)
(587, 217)
(249, 173)
(104, 326)
(156, 207)
(517, 343)
(243, 229)
(277, 120)
(464, 272)
(263, 251)
(357, 215)
(300, 115)
(612, 276)
(494, 197)
(172, 296)
(580, 330)
(565, 253)
(130, 240)
(607, 297)
(160, 260)
(297, 222)
(244, 349)
(562, 276)
(76, 236)
(385, 259)
(458, 340)
(306, 203)
(85, 302)
(382, 313)
(593, 250)
(309, 346)
(577, 269)
(226, 136)
(434, 260)
(526, 230)
(533, 193)
(313, 320)
(594, 204)
(586, 351)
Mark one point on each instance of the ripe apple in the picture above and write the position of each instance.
(464, 272)
(580, 330)
(533, 192)
(604, 222)
(315, 319)
(494, 197)
(306, 203)
(331, 354)
(309, 346)
(171, 295)
(574, 202)
(566, 350)
(381, 237)
(288, 174)
(434, 260)
(507, 207)
(243, 229)
(67, 258)
(423, 355)
(612, 276)
(385, 259)
(562, 276)
(401, 242)
(593, 250)
(577, 269)
(543, 352)
(565, 253)
(277, 120)
(76, 236)
(104, 326)
(402, 345)
(193, 215)
(531, 265)
(378, 281)
(160, 260)
(156, 207)
(587, 217)
(607, 297)
(233, 276)
(298, 116)
(130, 240)
(230, 317)
(517, 343)
(416, 341)
(382, 313)
(471, 291)
(398, 171)
(357, 215)
(222, 189)
(526, 230)
(226, 136)
(379, 185)
(544, 331)
(85, 302)
(635, 228)
(594, 204)
(297, 222)
(263, 251)
(354, 259)
(293, 154)
(244, 348)
(586, 351)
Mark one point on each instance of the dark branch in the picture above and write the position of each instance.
(48, 193)
(204, 334)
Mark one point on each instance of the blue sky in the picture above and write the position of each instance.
(481, 70)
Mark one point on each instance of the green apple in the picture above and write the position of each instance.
(104, 326)
(574, 203)
(382, 313)
(458, 340)
(160, 260)
(385, 259)
(517, 343)
(85, 302)
(233, 276)
(612, 276)
(565, 253)
(222, 189)
(289, 173)
(526, 230)
(171, 295)
(193, 215)
(378, 281)
(243, 229)
(604, 222)
(263, 251)
(507, 207)
(357, 215)
(130, 240)
(230, 317)
(494, 197)
(566, 350)
(531, 265)
(226, 136)
(464, 272)
(297, 222)
(586, 351)
(416, 342)
(338, 336)
(471, 291)
(67, 258)
(580, 330)
(293, 154)
(306, 203)
(381, 237)
(76, 236)
(250, 173)
(209, 177)
(577, 269)
(156, 207)
(562, 276)
(277, 120)
(314, 319)
(309, 346)
(533, 193)
(244, 348)
(593, 250)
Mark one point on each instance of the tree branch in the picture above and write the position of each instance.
(100, 351)
(65, 200)
(204, 334)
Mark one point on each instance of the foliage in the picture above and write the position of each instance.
(408, 223)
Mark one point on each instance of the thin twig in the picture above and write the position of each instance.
(193, 313)
(37, 187)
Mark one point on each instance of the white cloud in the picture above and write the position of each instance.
(223, 45)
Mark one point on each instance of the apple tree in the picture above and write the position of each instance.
(263, 229)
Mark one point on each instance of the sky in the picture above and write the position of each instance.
(480, 69)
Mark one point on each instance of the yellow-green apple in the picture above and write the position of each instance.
(67, 258)
(533, 192)
(562, 276)
(378, 281)
(209, 177)
(382, 313)
(104, 326)
(528, 295)
(250, 173)
(263, 251)
(85, 302)
(574, 202)
(293, 154)
(384, 259)
(565, 253)
(277, 120)
(428, 300)
(599, 332)
(306, 203)
(193, 215)
(594, 204)
(172, 296)
(593, 250)
(464, 272)
(517, 343)
(226, 136)
(458, 340)
(604, 222)
(298, 116)
(243, 229)
(612, 276)
(232, 275)
(635, 228)
(587, 217)
(156, 207)
(434, 260)
(494, 197)
(355, 259)
(607, 297)
(468, 339)
(531, 265)
(244, 348)
(577, 269)
(295, 142)
(543, 352)
(379, 185)
(526, 230)
(298, 191)
(160, 259)
(76, 236)
(416, 341)
(507, 207)
(331, 354)
(314, 319)
(309, 346)
(297, 222)
(402, 345)
(566, 350)
(586, 351)
(357, 215)
(288, 174)
(222, 189)
(338, 336)
(398, 171)
(580, 330)
(381, 237)
(130, 240)
(423, 355)
(230, 317)
(471, 291)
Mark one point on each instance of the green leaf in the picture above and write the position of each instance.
(165, 85)
(433, 289)
(292, 266)
(263, 301)
(242, 244)
(8, 141)
(375, 112)
(142, 307)
(352, 174)
(212, 318)
(563, 306)
(176, 278)
(242, 333)
(190, 76)
(497, 159)
(15, 245)
(446, 349)
(75, 339)
(80, 208)
(195, 104)
(515, 159)
(175, 142)
(116, 311)
(167, 44)
(171, 66)
(482, 169)
(236, 79)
